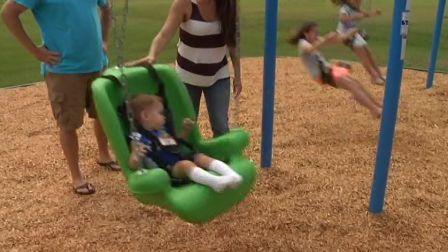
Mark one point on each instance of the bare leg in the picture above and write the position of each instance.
(103, 150)
(182, 168)
(202, 160)
(360, 94)
(70, 148)
(367, 93)
(362, 54)
(373, 63)
(104, 157)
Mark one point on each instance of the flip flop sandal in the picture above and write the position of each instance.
(85, 189)
(111, 165)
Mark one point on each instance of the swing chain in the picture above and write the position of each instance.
(119, 31)
(119, 36)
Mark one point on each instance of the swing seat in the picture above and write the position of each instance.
(192, 202)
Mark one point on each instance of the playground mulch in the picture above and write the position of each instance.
(315, 197)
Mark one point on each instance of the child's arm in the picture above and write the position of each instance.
(10, 14)
(187, 127)
(329, 38)
(358, 16)
(137, 154)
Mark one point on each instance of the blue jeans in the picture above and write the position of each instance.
(217, 98)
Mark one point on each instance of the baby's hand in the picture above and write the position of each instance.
(188, 124)
(138, 149)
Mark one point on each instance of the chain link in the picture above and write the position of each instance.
(119, 37)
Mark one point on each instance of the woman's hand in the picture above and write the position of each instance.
(237, 87)
(144, 62)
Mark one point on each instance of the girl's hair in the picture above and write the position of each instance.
(300, 33)
(227, 13)
(341, 2)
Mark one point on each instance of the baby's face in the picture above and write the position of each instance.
(153, 118)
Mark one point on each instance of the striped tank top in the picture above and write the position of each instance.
(202, 51)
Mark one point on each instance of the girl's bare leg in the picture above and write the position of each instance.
(360, 94)
(363, 56)
(373, 63)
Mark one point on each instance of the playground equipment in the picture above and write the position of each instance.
(392, 94)
(397, 50)
(270, 55)
(192, 202)
(436, 43)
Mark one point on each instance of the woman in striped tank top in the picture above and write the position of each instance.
(207, 32)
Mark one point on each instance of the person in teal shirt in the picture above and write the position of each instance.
(72, 55)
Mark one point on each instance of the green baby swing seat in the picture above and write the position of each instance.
(193, 203)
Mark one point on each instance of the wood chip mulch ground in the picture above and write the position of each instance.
(315, 197)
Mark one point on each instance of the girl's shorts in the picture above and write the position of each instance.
(334, 76)
(356, 42)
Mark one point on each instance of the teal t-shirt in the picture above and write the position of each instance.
(71, 28)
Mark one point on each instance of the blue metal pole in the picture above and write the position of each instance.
(270, 52)
(392, 95)
(436, 43)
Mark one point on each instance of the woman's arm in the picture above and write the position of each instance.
(176, 16)
(235, 57)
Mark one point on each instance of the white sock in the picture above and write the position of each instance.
(223, 169)
(217, 183)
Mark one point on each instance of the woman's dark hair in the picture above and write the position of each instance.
(300, 33)
(227, 13)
